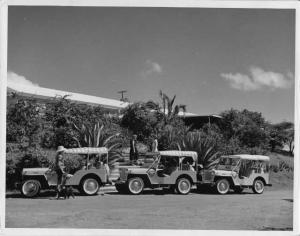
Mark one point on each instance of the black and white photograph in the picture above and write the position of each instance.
(155, 118)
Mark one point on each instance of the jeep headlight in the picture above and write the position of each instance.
(151, 172)
(213, 172)
(234, 174)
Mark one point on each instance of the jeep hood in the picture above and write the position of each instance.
(34, 171)
(223, 172)
(137, 170)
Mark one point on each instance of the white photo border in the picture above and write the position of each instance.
(146, 3)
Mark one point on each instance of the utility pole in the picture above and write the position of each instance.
(122, 95)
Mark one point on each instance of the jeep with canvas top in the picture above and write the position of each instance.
(237, 172)
(176, 170)
(88, 179)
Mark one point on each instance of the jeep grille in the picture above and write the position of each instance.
(123, 174)
(207, 175)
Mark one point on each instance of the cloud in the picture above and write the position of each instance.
(14, 78)
(259, 79)
(152, 67)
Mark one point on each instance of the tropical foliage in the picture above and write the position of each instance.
(248, 128)
(143, 119)
(97, 136)
(282, 134)
(24, 122)
(35, 128)
(169, 108)
(205, 148)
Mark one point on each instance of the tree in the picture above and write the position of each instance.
(290, 140)
(143, 119)
(61, 114)
(249, 127)
(282, 134)
(24, 122)
(169, 109)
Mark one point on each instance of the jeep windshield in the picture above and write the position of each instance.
(228, 163)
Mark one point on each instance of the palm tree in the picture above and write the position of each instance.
(205, 148)
(168, 107)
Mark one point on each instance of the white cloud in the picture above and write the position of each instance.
(258, 79)
(13, 78)
(152, 67)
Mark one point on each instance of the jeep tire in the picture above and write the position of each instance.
(30, 188)
(258, 186)
(222, 186)
(135, 185)
(183, 186)
(89, 186)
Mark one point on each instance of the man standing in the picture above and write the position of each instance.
(154, 147)
(133, 155)
(60, 169)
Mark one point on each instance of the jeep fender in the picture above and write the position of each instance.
(185, 176)
(229, 178)
(145, 178)
(40, 178)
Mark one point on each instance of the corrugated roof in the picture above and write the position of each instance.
(46, 93)
(43, 93)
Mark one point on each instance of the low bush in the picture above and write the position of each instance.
(16, 160)
(281, 166)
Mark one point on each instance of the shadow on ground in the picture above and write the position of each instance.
(266, 228)
(43, 194)
(288, 199)
(51, 193)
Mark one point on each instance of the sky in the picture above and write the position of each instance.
(211, 59)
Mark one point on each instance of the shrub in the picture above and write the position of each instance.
(16, 160)
(281, 166)
(205, 148)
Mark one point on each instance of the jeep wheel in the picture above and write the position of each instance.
(183, 186)
(135, 185)
(89, 186)
(222, 186)
(258, 186)
(121, 188)
(31, 188)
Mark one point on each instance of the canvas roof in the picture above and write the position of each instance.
(179, 153)
(252, 157)
(86, 150)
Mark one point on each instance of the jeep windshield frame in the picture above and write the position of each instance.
(229, 163)
(99, 151)
(177, 158)
(156, 161)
